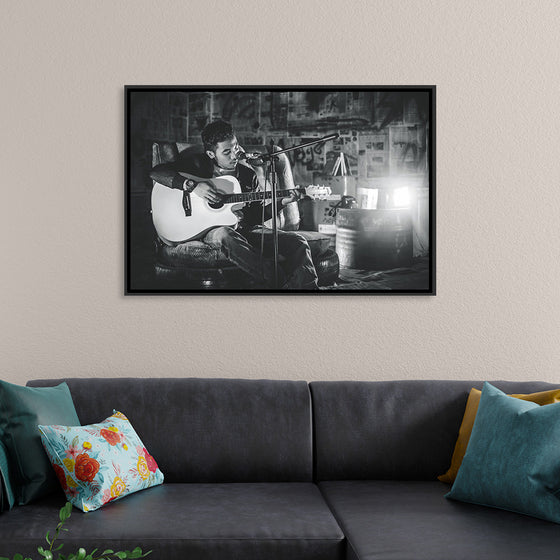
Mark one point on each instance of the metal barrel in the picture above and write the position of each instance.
(374, 239)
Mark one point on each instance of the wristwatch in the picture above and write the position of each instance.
(189, 185)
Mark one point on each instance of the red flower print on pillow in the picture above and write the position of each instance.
(61, 475)
(86, 467)
(112, 436)
(152, 465)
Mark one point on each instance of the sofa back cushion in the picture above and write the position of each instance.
(393, 430)
(208, 430)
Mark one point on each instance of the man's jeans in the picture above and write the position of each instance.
(296, 272)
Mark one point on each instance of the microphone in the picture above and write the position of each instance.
(252, 159)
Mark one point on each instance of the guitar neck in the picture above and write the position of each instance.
(257, 195)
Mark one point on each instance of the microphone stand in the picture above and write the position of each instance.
(271, 173)
(272, 158)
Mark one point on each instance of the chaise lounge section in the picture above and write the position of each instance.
(379, 449)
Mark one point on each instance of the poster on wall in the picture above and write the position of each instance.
(280, 190)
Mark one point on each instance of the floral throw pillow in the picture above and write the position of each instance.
(99, 463)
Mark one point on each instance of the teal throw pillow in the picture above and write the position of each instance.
(6, 487)
(21, 410)
(99, 463)
(512, 460)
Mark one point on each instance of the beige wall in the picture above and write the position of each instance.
(495, 64)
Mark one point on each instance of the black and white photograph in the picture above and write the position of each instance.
(280, 189)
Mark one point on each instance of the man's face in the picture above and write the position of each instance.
(226, 154)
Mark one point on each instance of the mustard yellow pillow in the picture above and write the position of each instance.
(542, 398)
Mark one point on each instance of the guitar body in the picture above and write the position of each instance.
(173, 225)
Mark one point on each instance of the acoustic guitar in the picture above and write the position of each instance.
(175, 223)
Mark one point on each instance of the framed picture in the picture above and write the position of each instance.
(280, 190)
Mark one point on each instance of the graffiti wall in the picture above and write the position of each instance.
(383, 134)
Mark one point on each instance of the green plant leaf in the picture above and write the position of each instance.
(68, 508)
(64, 514)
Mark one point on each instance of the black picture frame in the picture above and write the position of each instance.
(386, 144)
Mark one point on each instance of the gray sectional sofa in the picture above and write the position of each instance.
(261, 469)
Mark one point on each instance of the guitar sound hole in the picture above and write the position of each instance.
(215, 205)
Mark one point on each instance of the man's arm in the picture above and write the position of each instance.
(167, 174)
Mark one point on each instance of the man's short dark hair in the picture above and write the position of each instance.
(215, 132)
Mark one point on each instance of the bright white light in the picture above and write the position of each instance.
(367, 198)
(401, 197)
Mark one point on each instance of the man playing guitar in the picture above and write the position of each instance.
(241, 242)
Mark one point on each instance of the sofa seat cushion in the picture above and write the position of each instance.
(286, 521)
(404, 520)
